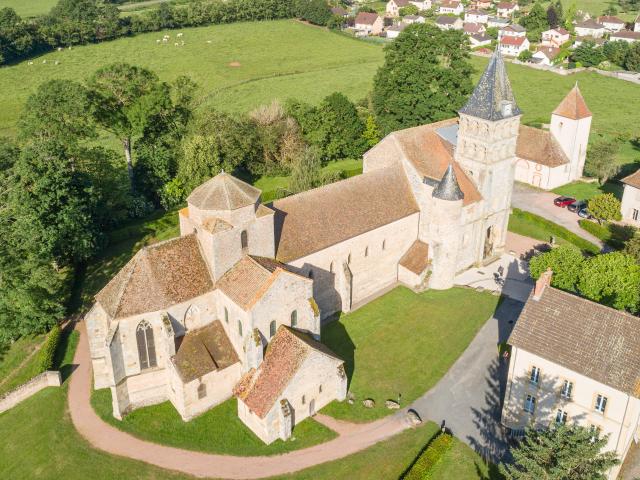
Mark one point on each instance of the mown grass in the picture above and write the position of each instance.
(29, 8)
(585, 191)
(403, 343)
(13, 372)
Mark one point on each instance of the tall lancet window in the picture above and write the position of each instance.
(244, 240)
(146, 346)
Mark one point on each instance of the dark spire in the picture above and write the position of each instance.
(492, 99)
(448, 188)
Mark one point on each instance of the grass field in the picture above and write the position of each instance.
(585, 191)
(29, 8)
(403, 343)
(20, 362)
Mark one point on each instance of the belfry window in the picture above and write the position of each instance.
(146, 346)
(294, 318)
(244, 240)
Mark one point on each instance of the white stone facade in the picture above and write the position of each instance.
(631, 205)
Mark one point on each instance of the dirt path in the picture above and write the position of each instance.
(352, 437)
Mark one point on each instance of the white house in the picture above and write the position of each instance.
(631, 199)
(480, 4)
(394, 30)
(498, 22)
(445, 22)
(550, 158)
(546, 55)
(555, 37)
(611, 23)
(393, 6)
(479, 40)
(474, 28)
(422, 5)
(590, 28)
(476, 16)
(452, 7)
(513, 46)
(514, 30)
(368, 23)
(409, 19)
(625, 36)
(506, 9)
(574, 361)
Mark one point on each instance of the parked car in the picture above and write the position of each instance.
(577, 206)
(584, 213)
(563, 201)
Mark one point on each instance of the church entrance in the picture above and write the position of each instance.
(488, 243)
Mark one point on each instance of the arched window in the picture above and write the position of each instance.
(146, 346)
(272, 329)
(202, 390)
(244, 240)
(226, 315)
(366, 251)
(239, 327)
(294, 318)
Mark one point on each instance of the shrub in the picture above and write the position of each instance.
(429, 458)
(613, 235)
(48, 351)
(596, 230)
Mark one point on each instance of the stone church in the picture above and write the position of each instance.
(233, 307)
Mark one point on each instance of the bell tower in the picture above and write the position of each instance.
(486, 149)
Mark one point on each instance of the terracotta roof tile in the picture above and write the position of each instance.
(540, 146)
(157, 277)
(509, 40)
(633, 179)
(416, 259)
(366, 18)
(593, 340)
(573, 106)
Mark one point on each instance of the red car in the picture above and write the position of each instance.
(563, 201)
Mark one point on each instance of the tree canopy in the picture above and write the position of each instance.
(566, 263)
(612, 279)
(605, 206)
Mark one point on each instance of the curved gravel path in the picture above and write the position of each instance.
(351, 438)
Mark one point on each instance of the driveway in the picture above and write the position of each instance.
(468, 399)
(541, 203)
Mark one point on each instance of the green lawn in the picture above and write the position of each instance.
(403, 343)
(585, 191)
(218, 430)
(19, 363)
(29, 8)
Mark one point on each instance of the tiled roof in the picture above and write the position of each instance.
(591, 23)
(628, 34)
(450, 4)
(366, 18)
(593, 340)
(446, 20)
(416, 258)
(550, 52)
(509, 40)
(515, 28)
(157, 277)
(204, 350)
(506, 6)
(472, 27)
(540, 146)
(260, 388)
(573, 106)
(215, 225)
(322, 217)
(223, 192)
(610, 19)
(633, 179)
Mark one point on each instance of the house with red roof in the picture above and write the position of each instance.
(367, 23)
(513, 46)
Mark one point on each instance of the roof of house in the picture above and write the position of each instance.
(366, 18)
(591, 339)
(398, 27)
(503, 21)
(223, 192)
(339, 211)
(633, 179)
(540, 146)
(561, 31)
(203, 351)
(260, 388)
(491, 91)
(610, 19)
(447, 20)
(506, 5)
(250, 278)
(549, 52)
(509, 40)
(591, 23)
(412, 17)
(481, 37)
(157, 277)
(401, 3)
(626, 34)
(470, 27)
(416, 258)
(450, 4)
(573, 106)
(476, 12)
(515, 28)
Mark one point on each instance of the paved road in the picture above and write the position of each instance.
(468, 397)
(541, 203)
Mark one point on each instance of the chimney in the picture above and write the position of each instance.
(542, 283)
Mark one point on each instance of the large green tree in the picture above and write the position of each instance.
(341, 128)
(426, 77)
(605, 206)
(566, 263)
(601, 160)
(535, 22)
(307, 172)
(612, 279)
(562, 452)
(632, 60)
(588, 54)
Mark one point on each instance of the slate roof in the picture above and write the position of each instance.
(448, 188)
(593, 340)
(515, 28)
(260, 388)
(157, 277)
(633, 179)
(573, 106)
(203, 351)
(540, 146)
(416, 259)
(223, 192)
(492, 89)
(319, 218)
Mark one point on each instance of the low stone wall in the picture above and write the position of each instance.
(45, 379)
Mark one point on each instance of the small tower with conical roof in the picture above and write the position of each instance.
(486, 149)
(446, 220)
(570, 125)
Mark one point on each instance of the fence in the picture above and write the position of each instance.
(50, 378)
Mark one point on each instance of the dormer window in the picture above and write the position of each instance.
(244, 240)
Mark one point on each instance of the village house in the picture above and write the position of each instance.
(513, 46)
(611, 23)
(409, 19)
(574, 361)
(340, 12)
(580, 40)
(545, 55)
(450, 7)
(473, 28)
(479, 40)
(550, 158)
(498, 22)
(631, 199)
(506, 9)
(393, 6)
(476, 16)
(515, 30)
(394, 30)
(233, 306)
(625, 36)
(480, 4)
(556, 37)
(368, 24)
(446, 22)
(590, 28)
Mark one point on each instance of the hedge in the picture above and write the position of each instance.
(422, 468)
(48, 351)
(613, 235)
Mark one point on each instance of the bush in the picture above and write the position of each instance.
(596, 230)
(48, 351)
(429, 458)
(613, 235)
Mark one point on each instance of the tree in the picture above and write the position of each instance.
(125, 100)
(566, 263)
(612, 279)
(341, 128)
(632, 60)
(372, 134)
(314, 11)
(605, 206)
(569, 16)
(632, 247)
(601, 160)
(588, 54)
(553, 19)
(616, 52)
(16, 37)
(408, 10)
(535, 22)
(525, 55)
(562, 452)
(426, 77)
(307, 172)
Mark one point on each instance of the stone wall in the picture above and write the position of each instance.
(46, 379)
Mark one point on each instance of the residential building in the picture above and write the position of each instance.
(590, 28)
(393, 6)
(498, 22)
(513, 46)
(409, 19)
(446, 22)
(451, 7)
(506, 9)
(556, 37)
(631, 199)
(479, 40)
(368, 23)
(480, 4)
(611, 23)
(515, 30)
(574, 361)
(394, 30)
(474, 28)
(545, 55)
(476, 16)
(625, 36)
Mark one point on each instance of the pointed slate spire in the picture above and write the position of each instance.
(492, 99)
(448, 188)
